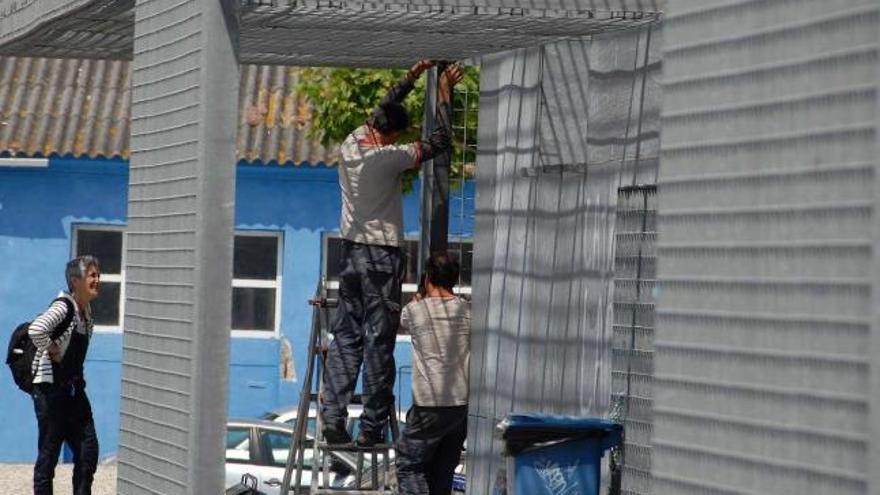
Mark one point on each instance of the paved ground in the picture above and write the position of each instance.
(16, 479)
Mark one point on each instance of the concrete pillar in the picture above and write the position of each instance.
(179, 249)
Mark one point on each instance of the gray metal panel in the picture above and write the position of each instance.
(452, 5)
(509, 92)
(765, 221)
(544, 251)
(625, 76)
(179, 252)
(633, 346)
(67, 29)
(313, 33)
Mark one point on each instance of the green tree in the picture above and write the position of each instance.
(341, 100)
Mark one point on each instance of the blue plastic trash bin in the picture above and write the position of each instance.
(556, 455)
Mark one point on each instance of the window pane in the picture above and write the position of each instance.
(105, 309)
(253, 308)
(256, 257)
(465, 253)
(278, 445)
(106, 245)
(238, 444)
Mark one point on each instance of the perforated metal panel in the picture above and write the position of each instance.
(766, 220)
(635, 272)
(344, 33)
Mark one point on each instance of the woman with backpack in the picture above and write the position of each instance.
(61, 336)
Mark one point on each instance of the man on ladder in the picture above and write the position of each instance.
(371, 261)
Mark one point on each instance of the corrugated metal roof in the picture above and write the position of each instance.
(269, 93)
(82, 108)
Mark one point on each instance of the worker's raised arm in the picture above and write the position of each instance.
(399, 91)
(439, 141)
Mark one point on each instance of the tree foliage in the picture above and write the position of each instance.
(341, 99)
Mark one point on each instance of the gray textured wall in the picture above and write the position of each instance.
(179, 250)
(766, 220)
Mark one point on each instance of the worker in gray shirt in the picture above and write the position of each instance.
(371, 264)
(436, 425)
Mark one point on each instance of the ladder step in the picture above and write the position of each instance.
(347, 491)
(351, 447)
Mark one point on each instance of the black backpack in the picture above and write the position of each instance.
(22, 351)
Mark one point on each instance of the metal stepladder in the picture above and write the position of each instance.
(376, 459)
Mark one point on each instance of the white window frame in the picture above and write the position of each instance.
(112, 277)
(264, 284)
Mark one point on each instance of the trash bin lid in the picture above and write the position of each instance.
(523, 431)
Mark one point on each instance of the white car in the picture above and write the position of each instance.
(260, 448)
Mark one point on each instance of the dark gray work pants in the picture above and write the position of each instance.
(365, 332)
(430, 449)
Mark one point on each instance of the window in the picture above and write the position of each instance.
(238, 444)
(256, 283)
(107, 244)
(278, 445)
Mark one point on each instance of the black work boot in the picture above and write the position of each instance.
(368, 438)
(335, 434)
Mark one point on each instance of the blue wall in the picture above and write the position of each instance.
(37, 209)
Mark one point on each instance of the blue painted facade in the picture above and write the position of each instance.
(39, 206)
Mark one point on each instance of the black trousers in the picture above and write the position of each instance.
(365, 332)
(64, 415)
(430, 449)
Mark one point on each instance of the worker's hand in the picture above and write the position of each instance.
(418, 69)
(54, 352)
(451, 76)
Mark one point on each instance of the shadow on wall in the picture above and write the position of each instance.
(562, 128)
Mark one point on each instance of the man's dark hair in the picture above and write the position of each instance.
(390, 117)
(442, 270)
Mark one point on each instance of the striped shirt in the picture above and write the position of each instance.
(40, 332)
